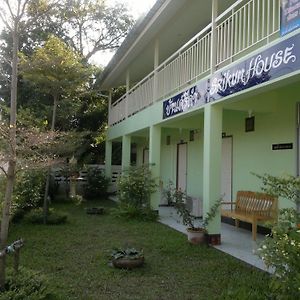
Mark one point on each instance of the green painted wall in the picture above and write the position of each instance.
(252, 151)
(194, 158)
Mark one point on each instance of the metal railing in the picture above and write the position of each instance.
(244, 25)
(190, 62)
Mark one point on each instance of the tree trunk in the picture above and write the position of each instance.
(45, 204)
(55, 100)
(11, 172)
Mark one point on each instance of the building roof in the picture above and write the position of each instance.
(134, 33)
(170, 24)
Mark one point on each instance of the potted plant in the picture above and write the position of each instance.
(196, 234)
(127, 258)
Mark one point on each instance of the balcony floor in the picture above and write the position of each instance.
(234, 241)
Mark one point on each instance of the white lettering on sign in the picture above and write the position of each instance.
(187, 100)
(257, 66)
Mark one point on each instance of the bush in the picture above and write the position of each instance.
(29, 189)
(280, 250)
(129, 211)
(18, 214)
(28, 192)
(134, 190)
(36, 216)
(97, 184)
(27, 284)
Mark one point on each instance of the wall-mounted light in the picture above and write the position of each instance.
(168, 140)
(192, 135)
(180, 136)
(250, 122)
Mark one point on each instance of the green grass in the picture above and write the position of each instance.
(75, 258)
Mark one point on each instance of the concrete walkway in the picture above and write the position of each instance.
(234, 241)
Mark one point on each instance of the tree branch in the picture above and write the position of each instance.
(23, 9)
(9, 8)
(3, 170)
(5, 21)
(33, 19)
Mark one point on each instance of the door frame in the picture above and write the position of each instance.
(177, 163)
(144, 150)
(231, 159)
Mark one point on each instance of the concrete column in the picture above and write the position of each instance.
(139, 154)
(156, 64)
(109, 106)
(214, 14)
(126, 151)
(108, 153)
(127, 81)
(156, 54)
(154, 161)
(212, 155)
(127, 90)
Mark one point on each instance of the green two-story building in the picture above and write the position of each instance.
(212, 96)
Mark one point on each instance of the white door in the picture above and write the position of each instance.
(181, 166)
(226, 173)
(146, 156)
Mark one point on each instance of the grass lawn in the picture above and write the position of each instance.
(75, 258)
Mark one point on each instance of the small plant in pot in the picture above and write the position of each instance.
(127, 258)
(196, 234)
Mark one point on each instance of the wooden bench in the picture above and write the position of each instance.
(252, 207)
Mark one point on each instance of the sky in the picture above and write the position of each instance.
(137, 9)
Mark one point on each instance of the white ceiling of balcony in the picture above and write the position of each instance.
(174, 25)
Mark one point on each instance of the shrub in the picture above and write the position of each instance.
(27, 284)
(36, 216)
(29, 188)
(97, 184)
(280, 250)
(134, 190)
(129, 211)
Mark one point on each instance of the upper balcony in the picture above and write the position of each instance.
(240, 29)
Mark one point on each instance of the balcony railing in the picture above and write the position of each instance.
(244, 25)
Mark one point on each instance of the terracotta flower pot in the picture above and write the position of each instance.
(125, 263)
(196, 236)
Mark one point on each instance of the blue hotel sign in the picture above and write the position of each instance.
(279, 60)
(290, 16)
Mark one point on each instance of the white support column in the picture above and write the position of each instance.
(156, 54)
(108, 153)
(154, 161)
(127, 90)
(139, 154)
(126, 151)
(127, 81)
(109, 106)
(213, 57)
(156, 64)
(212, 155)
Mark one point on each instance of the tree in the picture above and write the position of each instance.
(92, 26)
(13, 13)
(56, 70)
